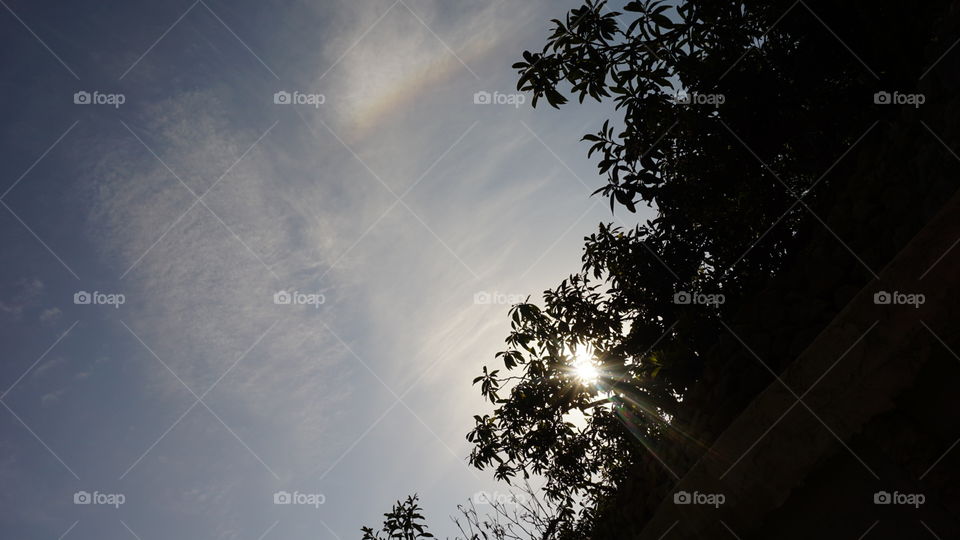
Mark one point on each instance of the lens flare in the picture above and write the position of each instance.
(585, 365)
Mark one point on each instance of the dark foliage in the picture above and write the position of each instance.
(403, 522)
(732, 119)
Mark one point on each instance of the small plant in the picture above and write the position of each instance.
(403, 522)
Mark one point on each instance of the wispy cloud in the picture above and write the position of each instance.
(303, 200)
(202, 293)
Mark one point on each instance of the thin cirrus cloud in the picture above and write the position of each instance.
(404, 70)
(198, 281)
(305, 199)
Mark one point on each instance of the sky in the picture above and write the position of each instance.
(253, 249)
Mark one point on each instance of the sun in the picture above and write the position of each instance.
(585, 365)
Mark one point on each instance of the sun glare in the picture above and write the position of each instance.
(585, 365)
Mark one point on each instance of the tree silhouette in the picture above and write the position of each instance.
(729, 114)
(732, 122)
(403, 522)
(521, 516)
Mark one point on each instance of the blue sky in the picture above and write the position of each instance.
(398, 201)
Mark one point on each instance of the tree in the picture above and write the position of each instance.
(733, 120)
(403, 522)
(729, 117)
(521, 516)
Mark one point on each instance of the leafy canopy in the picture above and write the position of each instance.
(728, 116)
